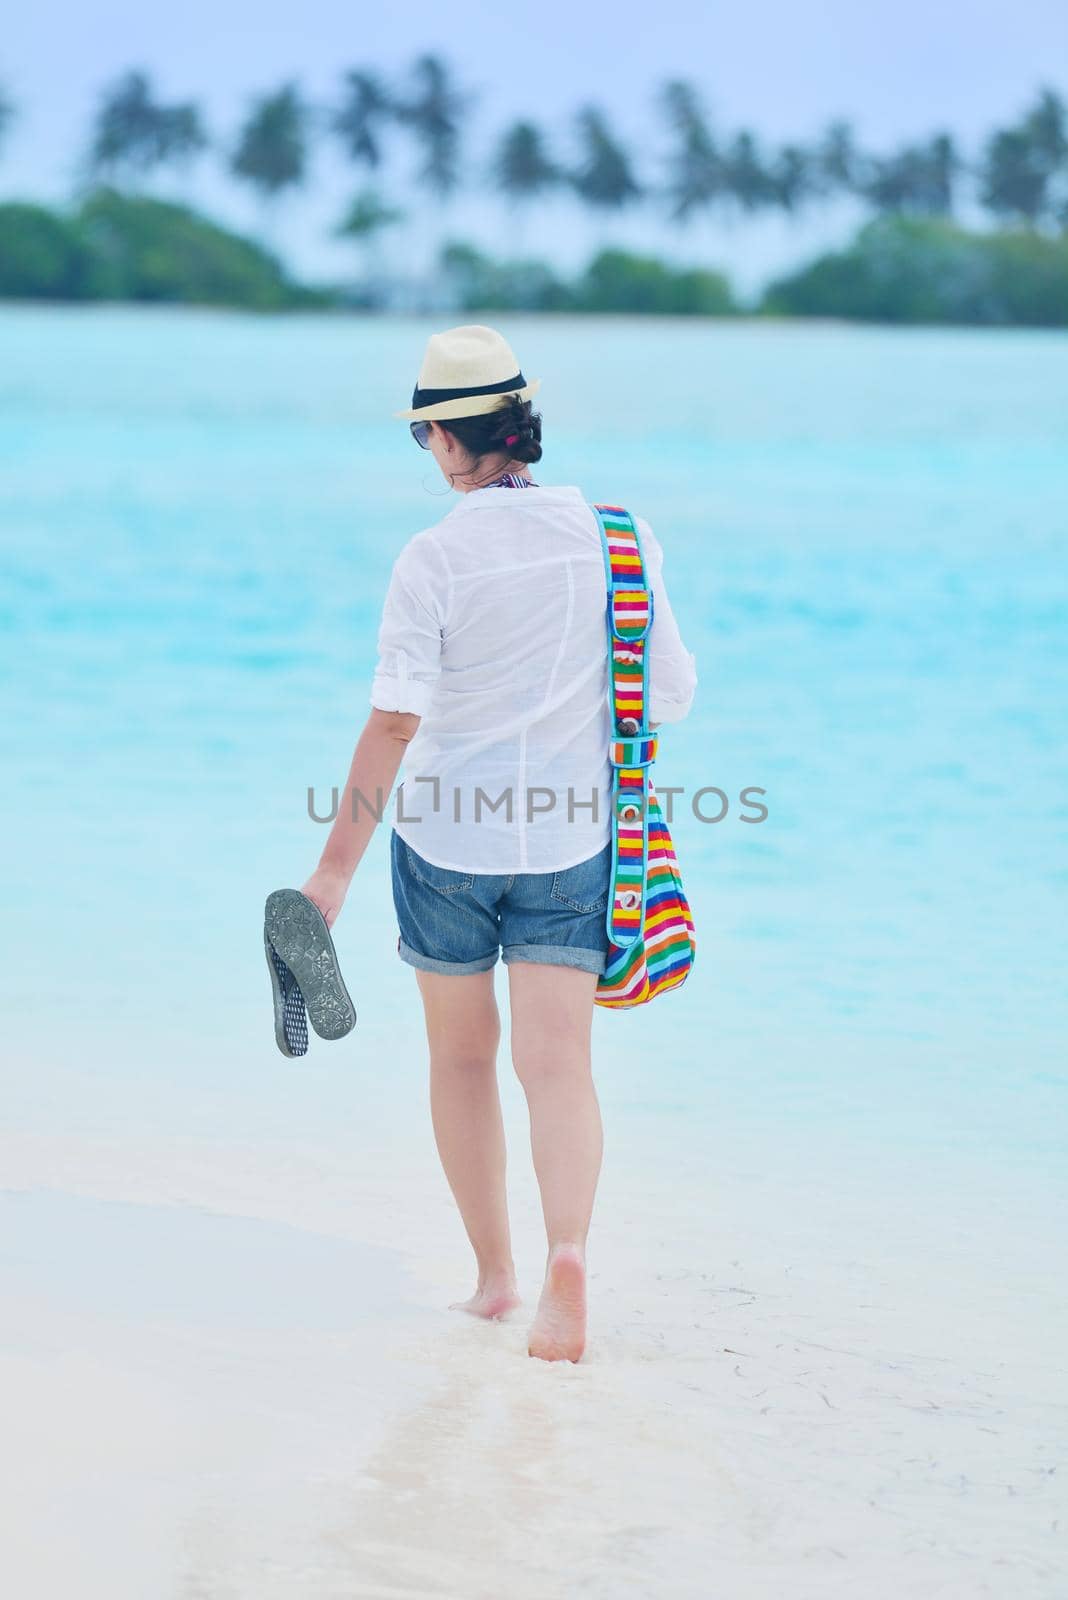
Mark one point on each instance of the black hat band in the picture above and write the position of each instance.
(433, 397)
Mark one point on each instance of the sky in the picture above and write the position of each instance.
(897, 70)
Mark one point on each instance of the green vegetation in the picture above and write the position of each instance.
(615, 280)
(898, 269)
(121, 247)
(44, 257)
(908, 269)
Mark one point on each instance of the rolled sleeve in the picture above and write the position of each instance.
(412, 631)
(672, 668)
(398, 690)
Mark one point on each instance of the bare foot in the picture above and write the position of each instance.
(558, 1332)
(494, 1299)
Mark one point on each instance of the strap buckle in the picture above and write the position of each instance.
(638, 751)
(630, 612)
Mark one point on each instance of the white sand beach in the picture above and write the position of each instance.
(229, 1370)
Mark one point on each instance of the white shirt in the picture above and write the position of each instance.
(493, 632)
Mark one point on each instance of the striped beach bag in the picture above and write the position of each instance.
(651, 943)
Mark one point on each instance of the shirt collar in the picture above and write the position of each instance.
(508, 480)
(496, 495)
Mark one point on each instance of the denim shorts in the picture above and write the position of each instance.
(461, 921)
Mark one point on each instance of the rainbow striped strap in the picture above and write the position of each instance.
(633, 748)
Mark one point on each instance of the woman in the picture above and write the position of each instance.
(492, 686)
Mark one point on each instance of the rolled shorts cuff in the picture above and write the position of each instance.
(557, 955)
(456, 968)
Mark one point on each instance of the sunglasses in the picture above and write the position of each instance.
(421, 434)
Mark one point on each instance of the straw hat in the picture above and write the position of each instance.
(467, 371)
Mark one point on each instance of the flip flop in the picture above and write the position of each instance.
(290, 1016)
(297, 932)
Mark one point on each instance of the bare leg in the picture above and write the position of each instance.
(552, 1013)
(463, 1030)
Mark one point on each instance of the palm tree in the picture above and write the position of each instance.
(522, 169)
(124, 133)
(365, 106)
(1013, 179)
(1023, 174)
(941, 169)
(434, 112)
(889, 180)
(7, 114)
(272, 148)
(364, 222)
(837, 161)
(133, 133)
(919, 179)
(747, 177)
(696, 176)
(604, 178)
(1046, 124)
(793, 180)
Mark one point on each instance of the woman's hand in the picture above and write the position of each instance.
(327, 890)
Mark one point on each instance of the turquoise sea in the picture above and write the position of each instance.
(864, 532)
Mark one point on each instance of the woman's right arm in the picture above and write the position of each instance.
(409, 662)
(375, 763)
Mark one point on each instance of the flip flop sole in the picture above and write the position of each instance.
(290, 1021)
(297, 929)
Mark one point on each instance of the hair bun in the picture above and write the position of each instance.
(513, 427)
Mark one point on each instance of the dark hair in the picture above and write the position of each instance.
(486, 434)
